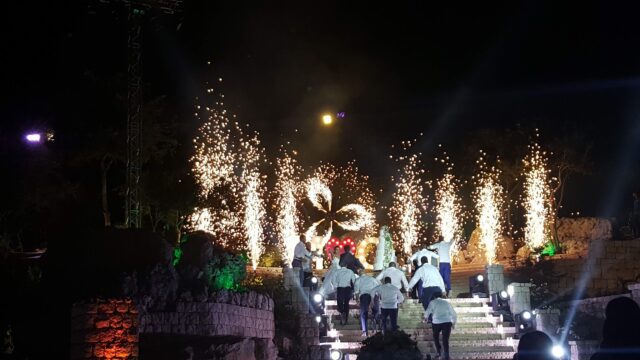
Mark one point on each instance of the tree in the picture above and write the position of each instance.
(570, 156)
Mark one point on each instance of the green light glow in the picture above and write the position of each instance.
(549, 250)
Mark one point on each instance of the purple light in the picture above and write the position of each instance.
(33, 138)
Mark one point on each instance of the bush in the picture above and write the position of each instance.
(396, 345)
(227, 271)
(272, 257)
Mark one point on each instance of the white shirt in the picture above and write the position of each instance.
(442, 312)
(444, 250)
(300, 251)
(335, 263)
(343, 277)
(429, 275)
(421, 253)
(365, 284)
(398, 279)
(390, 296)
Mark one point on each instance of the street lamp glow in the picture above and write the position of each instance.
(33, 138)
(327, 119)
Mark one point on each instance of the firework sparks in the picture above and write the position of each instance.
(287, 216)
(226, 168)
(489, 199)
(355, 192)
(253, 217)
(448, 211)
(409, 202)
(319, 194)
(537, 193)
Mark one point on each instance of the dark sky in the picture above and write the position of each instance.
(446, 69)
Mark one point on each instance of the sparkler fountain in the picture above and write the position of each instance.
(448, 210)
(537, 195)
(409, 202)
(489, 199)
(287, 215)
(226, 167)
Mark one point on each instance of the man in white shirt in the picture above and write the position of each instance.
(390, 297)
(444, 252)
(398, 278)
(343, 280)
(363, 287)
(300, 256)
(432, 282)
(443, 321)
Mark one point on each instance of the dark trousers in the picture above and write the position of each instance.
(365, 302)
(344, 295)
(393, 315)
(445, 271)
(445, 328)
(297, 265)
(427, 295)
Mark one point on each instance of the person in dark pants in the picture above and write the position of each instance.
(390, 297)
(364, 287)
(432, 282)
(348, 260)
(444, 320)
(444, 251)
(417, 291)
(343, 281)
(300, 258)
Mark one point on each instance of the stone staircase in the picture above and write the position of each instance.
(479, 334)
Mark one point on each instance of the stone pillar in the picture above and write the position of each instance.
(104, 329)
(548, 321)
(309, 333)
(635, 291)
(519, 297)
(291, 277)
(495, 278)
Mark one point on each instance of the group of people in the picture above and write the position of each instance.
(379, 296)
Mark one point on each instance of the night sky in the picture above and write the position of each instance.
(396, 69)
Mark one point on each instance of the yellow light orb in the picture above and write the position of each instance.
(327, 119)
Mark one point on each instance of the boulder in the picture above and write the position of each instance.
(575, 234)
(523, 253)
(475, 252)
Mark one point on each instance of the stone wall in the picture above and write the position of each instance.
(575, 234)
(229, 325)
(104, 329)
(610, 264)
(246, 315)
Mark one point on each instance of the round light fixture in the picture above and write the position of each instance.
(557, 351)
(335, 354)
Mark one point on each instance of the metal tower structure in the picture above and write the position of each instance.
(136, 10)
